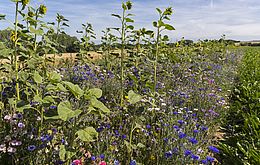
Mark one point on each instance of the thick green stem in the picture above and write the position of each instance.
(122, 59)
(15, 54)
(155, 62)
(35, 35)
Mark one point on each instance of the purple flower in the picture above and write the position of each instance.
(93, 158)
(187, 152)
(181, 122)
(102, 156)
(165, 140)
(123, 136)
(31, 147)
(54, 130)
(148, 126)
(133, 162)
(116, 162)
(53, 107)
(210, 159)
(193, 140)
(196, 131)
(204, 128)
(20, 125)
(168, 154)
(176, 127)
(182, 135)
(213, 149)
(195, 157)
(204, 161)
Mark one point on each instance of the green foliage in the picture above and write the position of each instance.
(66, 43)
(88, 134)
(133, 97)
(242, 144)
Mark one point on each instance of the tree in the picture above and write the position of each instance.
(5, 37)
(66, 42)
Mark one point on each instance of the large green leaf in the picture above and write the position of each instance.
(88, 134)
(133, 97)
(48, 99)
(37, 77)
(65, 111)
(37, 32)
(54, 77)
(74, 89)
(65, 154)
(169, 27)
(129, 20)
(98, 104)
(95, 92)
(116, 15)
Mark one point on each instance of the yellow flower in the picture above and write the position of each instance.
(43, 9)
(25, 2)
(152, 157)
(13, 37)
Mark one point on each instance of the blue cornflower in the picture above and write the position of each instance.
(187, 152)
(204, 161)
(54, 130)
(182, 135)
(60, 162)
(195, 157)
(210, 159)
(195, 131)
(116, 162)
(165, 140)
(108, 126)
(93, 158)
(193, 140)
(31, 147)
(177, 128)
(168, 154)
(133, 162)
(102, 156)
(100, 129)
(53, 107)
(123, 136)
(19, 115)
(148, 126)
(181, 122)
(204, 128)
(213, 149)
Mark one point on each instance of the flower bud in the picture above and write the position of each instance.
(129, 5)
(42, 9)
(25, 2)
(30, 14)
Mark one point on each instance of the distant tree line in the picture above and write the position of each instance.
(70, 44)
(66, 43)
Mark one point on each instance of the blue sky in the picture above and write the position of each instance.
(193, 19)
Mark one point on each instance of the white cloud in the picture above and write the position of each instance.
(193, 19)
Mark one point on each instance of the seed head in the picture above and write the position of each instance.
(43, 9)
(25, 2)
(129, 5)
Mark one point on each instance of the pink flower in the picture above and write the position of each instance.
(77, 162)
(103, 163)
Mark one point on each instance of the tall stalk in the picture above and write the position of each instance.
(122, 59)
(160, 26)
(124, 18)
(15, 52)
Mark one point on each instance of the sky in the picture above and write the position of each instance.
(192, 19)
